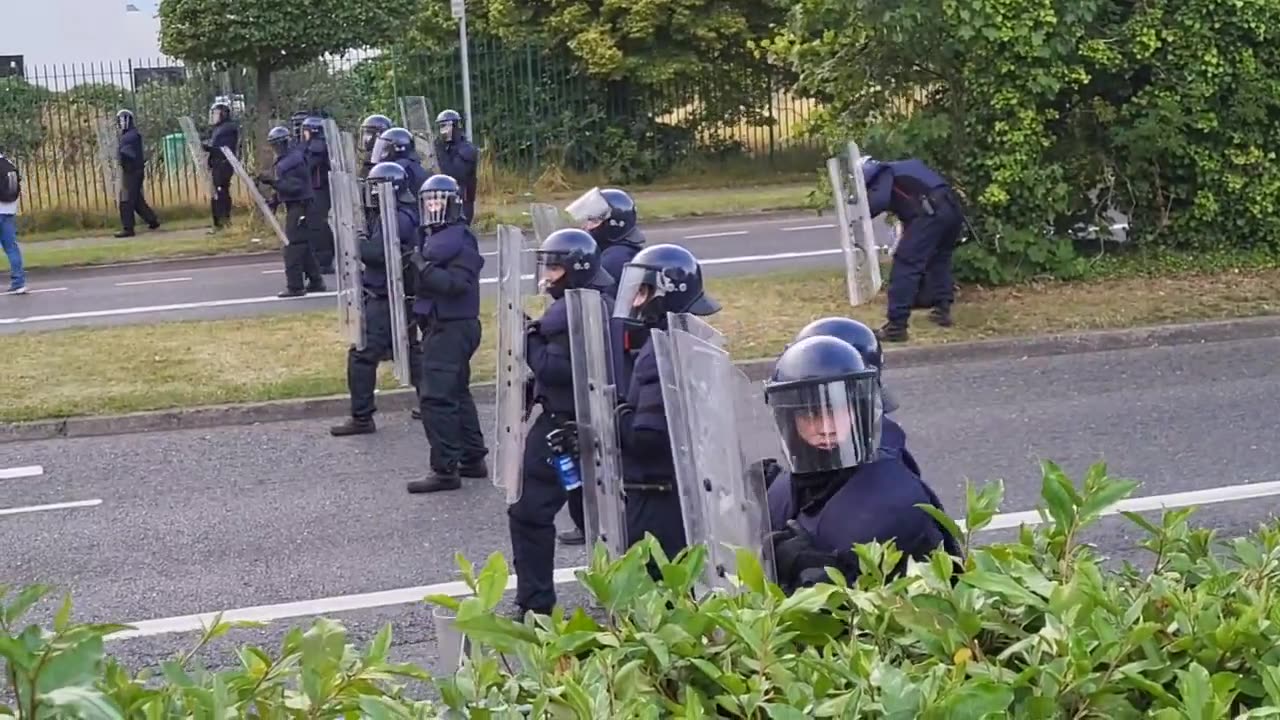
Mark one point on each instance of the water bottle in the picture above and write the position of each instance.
(562, 458)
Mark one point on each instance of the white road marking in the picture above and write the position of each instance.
(717, 234)
(771, 257)
(456, 588)
(21, 472)
(273, 272)
(802, 228)
(53, 506)
(152, 282)
(46, 290)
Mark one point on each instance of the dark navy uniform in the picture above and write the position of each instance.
(133, 174)
(362, 365)
(458, 159)
(447, 266)
(370, 130)
(292, 185)
(225, 134)
(396, 145)
(932, 221)
(320, 234)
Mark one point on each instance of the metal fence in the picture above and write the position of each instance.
(532, 110)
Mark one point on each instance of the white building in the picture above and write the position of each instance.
(63, 43)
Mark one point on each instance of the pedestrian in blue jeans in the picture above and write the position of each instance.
(10, 189)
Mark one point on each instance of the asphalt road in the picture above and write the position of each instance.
(236, 289)
(169, 524)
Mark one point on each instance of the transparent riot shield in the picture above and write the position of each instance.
(594, 401)
(252, 188)
(346, 217)
(399, 310)
(546, 220)
(416, 113)
(108, 134)
(853, 216)
(199, 158)
(729, 431)
(514, 291)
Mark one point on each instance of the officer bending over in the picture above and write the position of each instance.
(362, 365)
(447, 308)
(458, 159)
(567, 259)
(658, 280)
(292, 185)
(841, 490)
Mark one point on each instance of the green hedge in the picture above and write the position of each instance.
(1033, 628)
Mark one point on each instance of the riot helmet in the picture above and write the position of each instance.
(279, 138)
(862, 338)
(384, 173)
(393, 144)
(449, 123)
(440, 201)
(661, 279)
(219, 112)
(609, 214)
(568, 259)
(371, 129)
(296, 121)
(826, 404)
(124, 120)
(312, 127)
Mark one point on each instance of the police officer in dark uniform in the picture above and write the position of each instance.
(458, 159)
(225, 134)
(396, 145)
(932, 220)
(566, 259)
(842, 489)
(292, 185)
(362, 365)
(317, 153)
(658, 280)
(447, 265)
(133, 173)
(370, 130)
(295, 121)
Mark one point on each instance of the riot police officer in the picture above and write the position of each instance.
(447, 267)
(316, 151)
(370, 130)
(292, 185)
(609, 214)
(567, 259)
(396, 145)
(841, 488)
(133, 174)
(932, 220)
(295, 121)
(458, 158)
(660, 279)
(225, 133)
(362, 365)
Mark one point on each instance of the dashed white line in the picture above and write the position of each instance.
(21, 472)
(52, 506)
(772, 257)
(46, 290)
(153, 282)
(802, 228)
(273, 272)
(727, 233)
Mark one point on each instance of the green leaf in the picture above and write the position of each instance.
(1002, 585)
(63, 618)
(493, 581)
(22, 602)
(1058, 495)
(1107, 495)
(76, 665)
(978, 701)
(750, 571)
(88, 703)
(381, 645)
(1196, 689)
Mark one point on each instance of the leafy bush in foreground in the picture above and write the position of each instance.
(1035, 628)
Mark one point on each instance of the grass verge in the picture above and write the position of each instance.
(123, 369)
(51, 252)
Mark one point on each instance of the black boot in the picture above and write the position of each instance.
(940, 315)
(476, 469)
(892, 332)
(572, 537)
(318, 286)
(416, 413)
(437, 481)
(291, 293)
(354, 426)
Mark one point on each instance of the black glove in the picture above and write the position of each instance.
(529, 399)
(272, 205)
(794, 553)
(564, 440)
(622, 411)
(764, 471)
(419, 262)
(532, 327)
(205, 147)
(267, 180)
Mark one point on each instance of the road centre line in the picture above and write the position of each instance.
(808, 227)
(717, 234)
(152, 282)
(46, 290)
(456, 588)
(27, 471)
(53, 506)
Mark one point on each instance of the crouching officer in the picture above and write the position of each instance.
(660, 279)
(567, 259)
(447, 267)
(458, 159)
(362, 365)
(292, 185)
(370, 130)
(396, 145)
(931, 223)
(841, 490)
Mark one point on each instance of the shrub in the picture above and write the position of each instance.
(1033, 628)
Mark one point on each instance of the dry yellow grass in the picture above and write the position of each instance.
(122, 369)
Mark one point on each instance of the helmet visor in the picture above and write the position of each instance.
(638, 287)
(828, 425)
(552, 271)
(590, 210)
(434, 206)
(382, 151)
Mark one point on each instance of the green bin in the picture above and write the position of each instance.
(175, 153)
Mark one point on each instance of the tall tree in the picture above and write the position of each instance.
(269, 36)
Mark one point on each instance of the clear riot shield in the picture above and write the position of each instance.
(390, 226)
(416, 113)
(108, 134)
(546, 220)
(346, 216)
(857, 236)
(727, 431)
(199, 158)
(594, 401)
(258, 200)
(514, 291)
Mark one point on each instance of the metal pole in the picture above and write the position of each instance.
(466, 75)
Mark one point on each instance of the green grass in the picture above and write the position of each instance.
(147, 367)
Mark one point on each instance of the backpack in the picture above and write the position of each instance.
(10, 181)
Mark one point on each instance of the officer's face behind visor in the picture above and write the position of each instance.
(828, 425)
(590, 210)
(381, 151)
(550, 273)
(637, 289)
